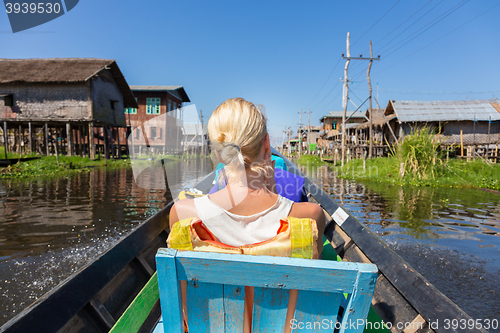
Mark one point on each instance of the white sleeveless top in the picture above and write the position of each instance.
(238, 230)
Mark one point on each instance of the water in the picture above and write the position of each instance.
(451, 236)
(51, 228)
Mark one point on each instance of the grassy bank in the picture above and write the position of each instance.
(47, 166)
(454, 173)
(311, 160)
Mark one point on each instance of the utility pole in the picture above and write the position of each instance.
(346, 95)
(309, 130)
(289, 145)
(346, 88)
(283, 141)
(202, 134)
(300, 134)
(370, 89)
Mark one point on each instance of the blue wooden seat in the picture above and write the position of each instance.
(215, 296)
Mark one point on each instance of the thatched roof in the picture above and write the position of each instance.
(62, 70)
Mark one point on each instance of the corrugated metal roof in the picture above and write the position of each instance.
(339, 114)
(177, 91)
(415, 111)
(154, 88)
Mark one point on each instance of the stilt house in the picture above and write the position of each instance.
(71, 106)
(156, 124)
(474, 122)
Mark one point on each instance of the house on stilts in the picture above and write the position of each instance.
(72, 106)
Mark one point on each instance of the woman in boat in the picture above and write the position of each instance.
(247, 214)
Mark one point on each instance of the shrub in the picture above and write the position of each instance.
(419, 151)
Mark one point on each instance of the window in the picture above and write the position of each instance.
(334, 125)
(153, 105)
(169, 106)
(8, 100)
(131, 110)
(137, 133)
(113, 103)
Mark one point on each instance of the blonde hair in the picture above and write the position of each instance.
(237, 129)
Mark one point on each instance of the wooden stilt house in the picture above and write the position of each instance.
(69, 106)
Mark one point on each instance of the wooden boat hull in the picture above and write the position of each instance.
(93, 298)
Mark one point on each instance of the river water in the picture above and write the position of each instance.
(451, 236)
(49, 228)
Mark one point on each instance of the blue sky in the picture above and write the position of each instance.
(284, 55)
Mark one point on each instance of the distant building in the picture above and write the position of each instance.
(310, 136)
(63, 103)
(478, 120)
(332, 123)
(157, 122)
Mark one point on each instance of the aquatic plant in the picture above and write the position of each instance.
(419, 154)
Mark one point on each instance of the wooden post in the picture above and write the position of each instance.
(20, 142)
(112, 155)
(5, 139)
(118, 142)
(30, 137)
(91, 140)
(55, 143)
(462, 143)
(105, 134)
(371, 110)
(346, 97)
(69, 139)
(46, 139)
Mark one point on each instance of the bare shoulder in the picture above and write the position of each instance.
(307, 209)
(182, 209)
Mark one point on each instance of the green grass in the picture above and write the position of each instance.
(454, 173)
(311, 160)
(47, 166)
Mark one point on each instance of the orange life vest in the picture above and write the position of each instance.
(295, 238)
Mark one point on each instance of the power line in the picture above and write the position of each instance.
(403, 22)
(375, 23)
(411, 25)
(335, 67)
(440, 38)
(448, 14)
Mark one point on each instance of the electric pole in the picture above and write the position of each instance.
(346, 95)
(300, 134)
(346, 89)
(309, 130)
(283, 141)
(202, 135)
(371, 110)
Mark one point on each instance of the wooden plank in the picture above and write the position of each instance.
(102, 312)
(205, 306)
(269, 310)
(170, 291)
(137, 312)
(356, 311)
(311, 309)
(286, 273)
(234, 306)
